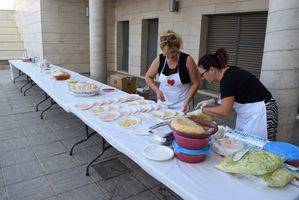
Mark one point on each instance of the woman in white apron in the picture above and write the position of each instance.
(177, 73)
(256, 109)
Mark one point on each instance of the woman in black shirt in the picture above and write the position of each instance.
(177, 73)
(256, 109)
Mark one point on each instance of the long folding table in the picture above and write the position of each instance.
(190, 181)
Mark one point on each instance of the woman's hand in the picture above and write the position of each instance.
(160, 95)
(186, 106)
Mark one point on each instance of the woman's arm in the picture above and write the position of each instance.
(149, 78)
(194, 77)
(223, 109)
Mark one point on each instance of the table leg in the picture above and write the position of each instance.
(32, 84)
(46, 98)
(88, 135)
(20, 74)
(102, 152)
(28, 82)
(42, 113)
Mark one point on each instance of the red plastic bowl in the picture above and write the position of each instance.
(192, 136)
(294, 163)
(190, 158)
(190, 143)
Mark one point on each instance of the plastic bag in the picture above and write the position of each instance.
(279, 178)
(254, 162)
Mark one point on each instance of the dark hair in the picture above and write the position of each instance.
(217, 60)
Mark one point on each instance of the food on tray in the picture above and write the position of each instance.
(198, 113)
(254, 162)
(83, 106)
(84, 89)
(279, 178)
(226, 146)
(72, 80)
(133, 97)
(109, 116)
(61, 75)
(97, 109)
(187, 126)
(101, 102)
(128, 122)
(122, 99)
(133, 103)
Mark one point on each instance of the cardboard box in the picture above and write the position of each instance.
(123, 82)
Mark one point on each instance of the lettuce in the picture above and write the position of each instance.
(279, 178)
(255, 162)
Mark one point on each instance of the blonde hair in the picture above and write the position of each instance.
(170, 39)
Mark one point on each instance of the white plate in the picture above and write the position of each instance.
(97, 109)
(157, 114)
(158, 152)
(136, 119)
(167, 113)
(83, 106)
(109, 116)
(125, 111)
(101, 102)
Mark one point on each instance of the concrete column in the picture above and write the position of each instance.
(97, 40)
(280, 67)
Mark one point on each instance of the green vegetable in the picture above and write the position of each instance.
(254, 162)
(279, 178)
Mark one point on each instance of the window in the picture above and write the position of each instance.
(242, 35)
(149, 43)
(123, 46)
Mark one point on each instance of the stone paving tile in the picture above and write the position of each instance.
(121, 187)
(58, 163)
(4, 125)
(36, 129)
(70, 133)
(48, 150)
(1, 179)
(34, 189)
(22, 172)
(145, 178)
(69, 142)
(89, 192)
(127, 161)
(66, 124)
(163, 193)
(11, 133)
(147, 195)
(13, 144)
(69, 179)
(3, 193)
(42, 138)
(17, 156)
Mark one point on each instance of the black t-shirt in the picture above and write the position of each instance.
(242, 85)
(183, 71)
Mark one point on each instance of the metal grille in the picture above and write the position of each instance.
(243, 37)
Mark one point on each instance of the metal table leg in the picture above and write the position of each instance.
(42, 113)
(46, 98)
(20, 74)
(102, 152)
(28, 82)
(88, 135)
(32, 84)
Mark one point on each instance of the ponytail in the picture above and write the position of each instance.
(218, 60)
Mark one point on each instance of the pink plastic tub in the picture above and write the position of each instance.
(190, 143)
(190, 158)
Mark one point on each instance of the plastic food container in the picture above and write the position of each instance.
(190, 156)
(190, 143)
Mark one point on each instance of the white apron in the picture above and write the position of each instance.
(252, 118)
(173, 90)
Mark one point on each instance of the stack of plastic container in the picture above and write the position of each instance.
(190, 148)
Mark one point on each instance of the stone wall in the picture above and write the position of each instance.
(187, 22)
(66, 33)
(28, 20)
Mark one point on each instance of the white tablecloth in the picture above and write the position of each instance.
(190, 181)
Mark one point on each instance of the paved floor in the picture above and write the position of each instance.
(34, 156)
